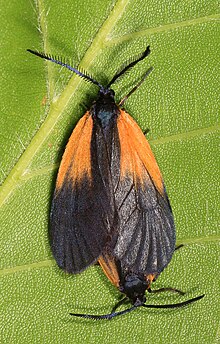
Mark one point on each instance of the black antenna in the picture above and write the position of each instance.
(176, 305)
(114, 314)
(135, 87)
(89, 78)
(130, 65)
(53, 59)
(105, 316)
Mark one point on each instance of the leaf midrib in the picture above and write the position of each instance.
(171, 138)
(59, 105)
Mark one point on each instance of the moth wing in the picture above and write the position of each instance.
(146, 239)
(82, 211)
(110, 268)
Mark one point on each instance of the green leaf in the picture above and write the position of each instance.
(40, 105)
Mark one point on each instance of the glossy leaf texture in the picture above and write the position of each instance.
(40, 105)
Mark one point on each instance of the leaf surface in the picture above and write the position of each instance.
(40, 105)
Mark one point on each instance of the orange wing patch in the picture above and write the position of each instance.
(76, 161)
(149, 279)
(136, 154)
(108, 266)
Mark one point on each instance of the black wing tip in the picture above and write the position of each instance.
(73, 267)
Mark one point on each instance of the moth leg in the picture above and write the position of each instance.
(161, 290)
(118, 304)
(146, 131)
(178, 247)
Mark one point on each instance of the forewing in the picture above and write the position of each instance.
(82, 212)
(146, 239)
(110, 268)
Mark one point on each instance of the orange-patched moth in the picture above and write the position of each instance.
(110, 204)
